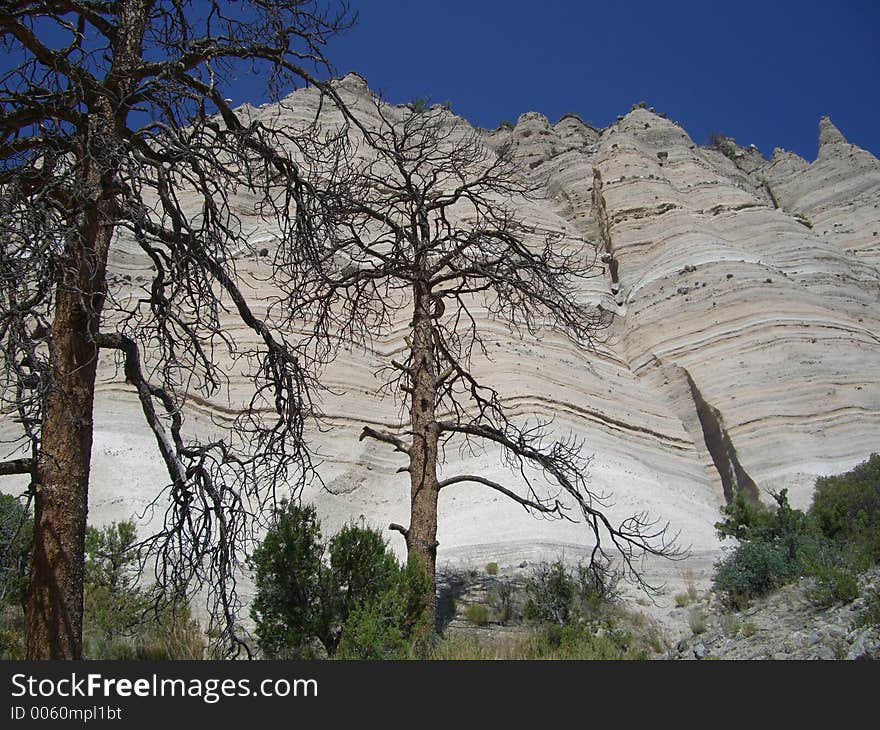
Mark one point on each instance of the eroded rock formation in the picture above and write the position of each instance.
(744, 353)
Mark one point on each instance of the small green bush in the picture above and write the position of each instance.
(290, 585)
(175, 635)
(581, 641)
(372, 633)
(725, 145)
(682, 599)
(504, 124)
(838, 537)
(501, 601)
(775, 546)
(124, 620)
(752, 570)
(834, 584)
(477, 614)
(551, 593)
(847, 509)
(492, 568)
(451, 605)
(16, 533)
(749, 629)
(392, 625)
(870, 614)
(555, 594)
(572, 642)
(311, 593)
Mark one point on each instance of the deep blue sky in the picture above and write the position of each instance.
(763, 72)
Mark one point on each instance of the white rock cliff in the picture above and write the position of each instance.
(744, 353)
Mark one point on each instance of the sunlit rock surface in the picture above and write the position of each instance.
(744, 353)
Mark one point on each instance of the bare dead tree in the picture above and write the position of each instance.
(113, 119)
(423, 222)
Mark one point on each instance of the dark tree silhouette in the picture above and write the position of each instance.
(111, 119)
(421, 220)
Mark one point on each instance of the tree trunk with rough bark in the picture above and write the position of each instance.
(55, 591)
(54, 615)
(424, 491)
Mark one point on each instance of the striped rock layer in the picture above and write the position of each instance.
(744, 351)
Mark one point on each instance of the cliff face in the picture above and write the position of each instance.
(744, 353)
(753, 283)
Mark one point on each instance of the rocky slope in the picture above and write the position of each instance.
(787, 624)
(688, 621)
(744, 353)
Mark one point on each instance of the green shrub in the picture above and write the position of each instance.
(839, 536)
(682, 599)
(573, 642)
(753, 569)
(847, 509)
(749, 629)
(775, 546)
(477, 614)
(122, 619)
(620, 635)
(580, 641)
(501, 601)
(114, 607)
(288, 607)
(361, 567)
(504, 124)
(16, 533)
(451, 605)
(372, 632)
(870, 614)
(309, 593)
(174, 635)
(725, 145)
(492, 568)
(834, 584)
(393, 624)
(556, 595)
(550, 594)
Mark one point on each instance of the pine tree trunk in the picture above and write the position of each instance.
(54, 606)
(424, 492)
(55, 594)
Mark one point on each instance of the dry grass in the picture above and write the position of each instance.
(697, 620)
